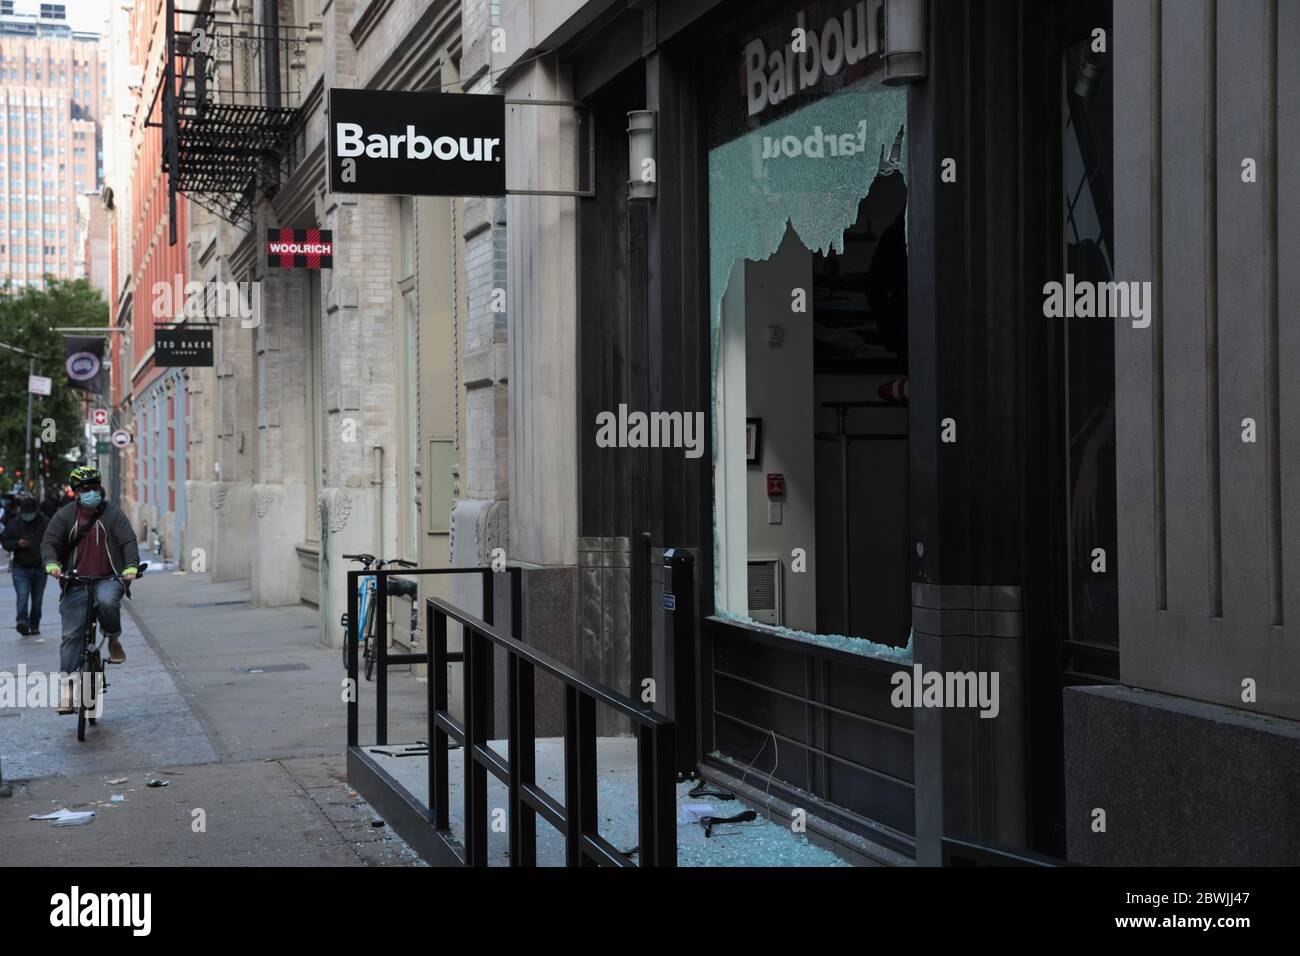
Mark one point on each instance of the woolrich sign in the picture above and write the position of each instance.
(417, 144)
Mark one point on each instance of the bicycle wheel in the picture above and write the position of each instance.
(370, 641)
(86, 663)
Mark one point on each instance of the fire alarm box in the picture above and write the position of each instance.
(776, 485)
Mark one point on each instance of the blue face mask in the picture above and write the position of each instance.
(29, 515)
(91, 499)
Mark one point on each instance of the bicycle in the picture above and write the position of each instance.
(91, 663)
(369, 585)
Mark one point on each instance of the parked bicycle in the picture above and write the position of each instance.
(367, 591)
(90, 666)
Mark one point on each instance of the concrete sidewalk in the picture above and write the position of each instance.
(257, 679)
(291, 812)
(240, 708)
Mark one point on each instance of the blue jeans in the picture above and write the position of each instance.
(72, 609)
(29, 583)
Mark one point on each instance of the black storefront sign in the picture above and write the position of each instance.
(299, 248)
(416, 144)
(182, 347)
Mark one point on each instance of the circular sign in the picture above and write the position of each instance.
(83, 366)
(121, 438)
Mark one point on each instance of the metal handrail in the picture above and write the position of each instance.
(384, 659)
(576, 818)
(623, 704)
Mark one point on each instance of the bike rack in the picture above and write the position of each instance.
(382, 658)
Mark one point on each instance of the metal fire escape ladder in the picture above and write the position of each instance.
(230, 99)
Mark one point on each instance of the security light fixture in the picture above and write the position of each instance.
(904, 46)
(642, 175)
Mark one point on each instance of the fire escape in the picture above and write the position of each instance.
(230, 97)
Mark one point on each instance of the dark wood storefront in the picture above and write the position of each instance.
(988, 510)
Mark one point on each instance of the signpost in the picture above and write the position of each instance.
(121, 438)
(39, 384)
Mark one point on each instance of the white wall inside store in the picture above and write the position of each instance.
(779, 390)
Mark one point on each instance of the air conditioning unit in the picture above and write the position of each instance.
(764, 591)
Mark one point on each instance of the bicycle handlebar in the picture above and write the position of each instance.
(95, 579)
(73, 576)
(369, 559)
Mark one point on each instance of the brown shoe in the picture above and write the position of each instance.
(115, 653)
(65, 698)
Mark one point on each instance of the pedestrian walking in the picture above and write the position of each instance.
(54, 500)
(22, 539)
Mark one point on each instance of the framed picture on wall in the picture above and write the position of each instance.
(753, 440)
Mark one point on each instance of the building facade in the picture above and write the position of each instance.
(364, 408)
(875, 444)
(149, 401)
(912, 460)
(53, 83)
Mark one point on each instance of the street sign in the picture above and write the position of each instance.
(101, 448)
(402, 143)
(39, 384)
(99, 417)
(121, 438)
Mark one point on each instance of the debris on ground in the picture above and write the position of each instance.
(118, 798)
(709, 822)
(66, 818)
(155, 782)
(117, 780)
(694, 812)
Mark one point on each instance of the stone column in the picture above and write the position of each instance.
(279, 494)
(542, 348)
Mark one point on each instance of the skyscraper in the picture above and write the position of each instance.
(52, 83)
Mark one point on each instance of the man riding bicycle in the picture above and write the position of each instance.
(92, 538)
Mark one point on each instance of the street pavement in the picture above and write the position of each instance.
(238, 708)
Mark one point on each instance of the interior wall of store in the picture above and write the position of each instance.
(779, 391)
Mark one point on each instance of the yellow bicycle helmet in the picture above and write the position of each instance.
(85, 475)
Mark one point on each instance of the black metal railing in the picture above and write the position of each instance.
(576, 817)
(383, 659)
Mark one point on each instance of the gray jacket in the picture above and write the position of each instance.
(123, 552)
